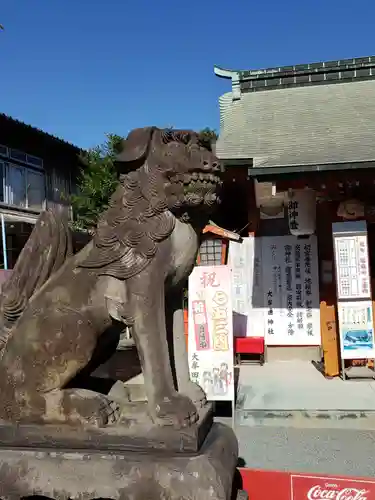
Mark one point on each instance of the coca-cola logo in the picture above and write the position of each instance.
(334, 492)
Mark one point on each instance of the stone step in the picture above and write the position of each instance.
(333, 419)
(330, 396)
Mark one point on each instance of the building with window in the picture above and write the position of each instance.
(298, 142)
(37, 172)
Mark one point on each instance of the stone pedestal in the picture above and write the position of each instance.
(152, 474)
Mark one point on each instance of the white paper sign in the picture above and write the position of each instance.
(352, 267)
(244, 259)
(291, 290)
(356, 330)
(210, 343)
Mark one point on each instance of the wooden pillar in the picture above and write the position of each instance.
(252, 210)
(330, 341)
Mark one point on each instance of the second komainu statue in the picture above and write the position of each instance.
(56, 305)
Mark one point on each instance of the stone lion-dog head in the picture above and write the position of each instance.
(164, 175)
(174, 166)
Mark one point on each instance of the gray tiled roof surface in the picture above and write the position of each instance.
(333, 123)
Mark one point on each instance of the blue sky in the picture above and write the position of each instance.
(81, 68)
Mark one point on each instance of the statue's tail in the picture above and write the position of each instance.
(46, 250)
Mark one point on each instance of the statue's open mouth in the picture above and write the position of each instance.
(199, 179)
(198, 188)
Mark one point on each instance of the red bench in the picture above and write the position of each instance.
(249, 345)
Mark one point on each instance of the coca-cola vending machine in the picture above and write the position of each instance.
(323, 488)
(270, 485)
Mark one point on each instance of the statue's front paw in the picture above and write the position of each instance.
(176, 410)
(81, 407)
(195, 393)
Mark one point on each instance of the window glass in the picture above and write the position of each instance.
(34, 161)
(35, 190)
(15, 154)
(210, 252)
(16, 186)
(2, 180)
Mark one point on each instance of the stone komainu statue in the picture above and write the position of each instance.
(56, 305)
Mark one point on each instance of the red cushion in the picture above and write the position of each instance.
(249, 345)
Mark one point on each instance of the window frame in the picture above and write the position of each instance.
(13, 155)
(7, 189)
(35, 162)
(27, 159)
(3, 176)
(5, 152)
(211, 252)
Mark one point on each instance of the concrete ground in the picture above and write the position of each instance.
(289, 417)
(296, 393)
(316, 451)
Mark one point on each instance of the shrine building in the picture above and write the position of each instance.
(298, 146)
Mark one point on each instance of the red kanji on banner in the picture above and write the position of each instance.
(209, 279)
(202, 337)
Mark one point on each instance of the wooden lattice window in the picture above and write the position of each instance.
(211, 252)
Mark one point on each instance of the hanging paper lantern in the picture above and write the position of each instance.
(302, 212)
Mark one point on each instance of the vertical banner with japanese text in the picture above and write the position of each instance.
(244, 259)
(291, 290)
(210, 343)
(353, 285)
(352, 262)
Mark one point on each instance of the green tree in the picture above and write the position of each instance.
(96, 182)
(208, 136)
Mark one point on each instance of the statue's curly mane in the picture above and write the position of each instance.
(143, 210)
(130, 230)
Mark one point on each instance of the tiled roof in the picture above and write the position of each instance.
(35, 129)
(300, 126)
(312, 114)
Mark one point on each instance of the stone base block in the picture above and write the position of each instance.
(150, 475)
(133, 432)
